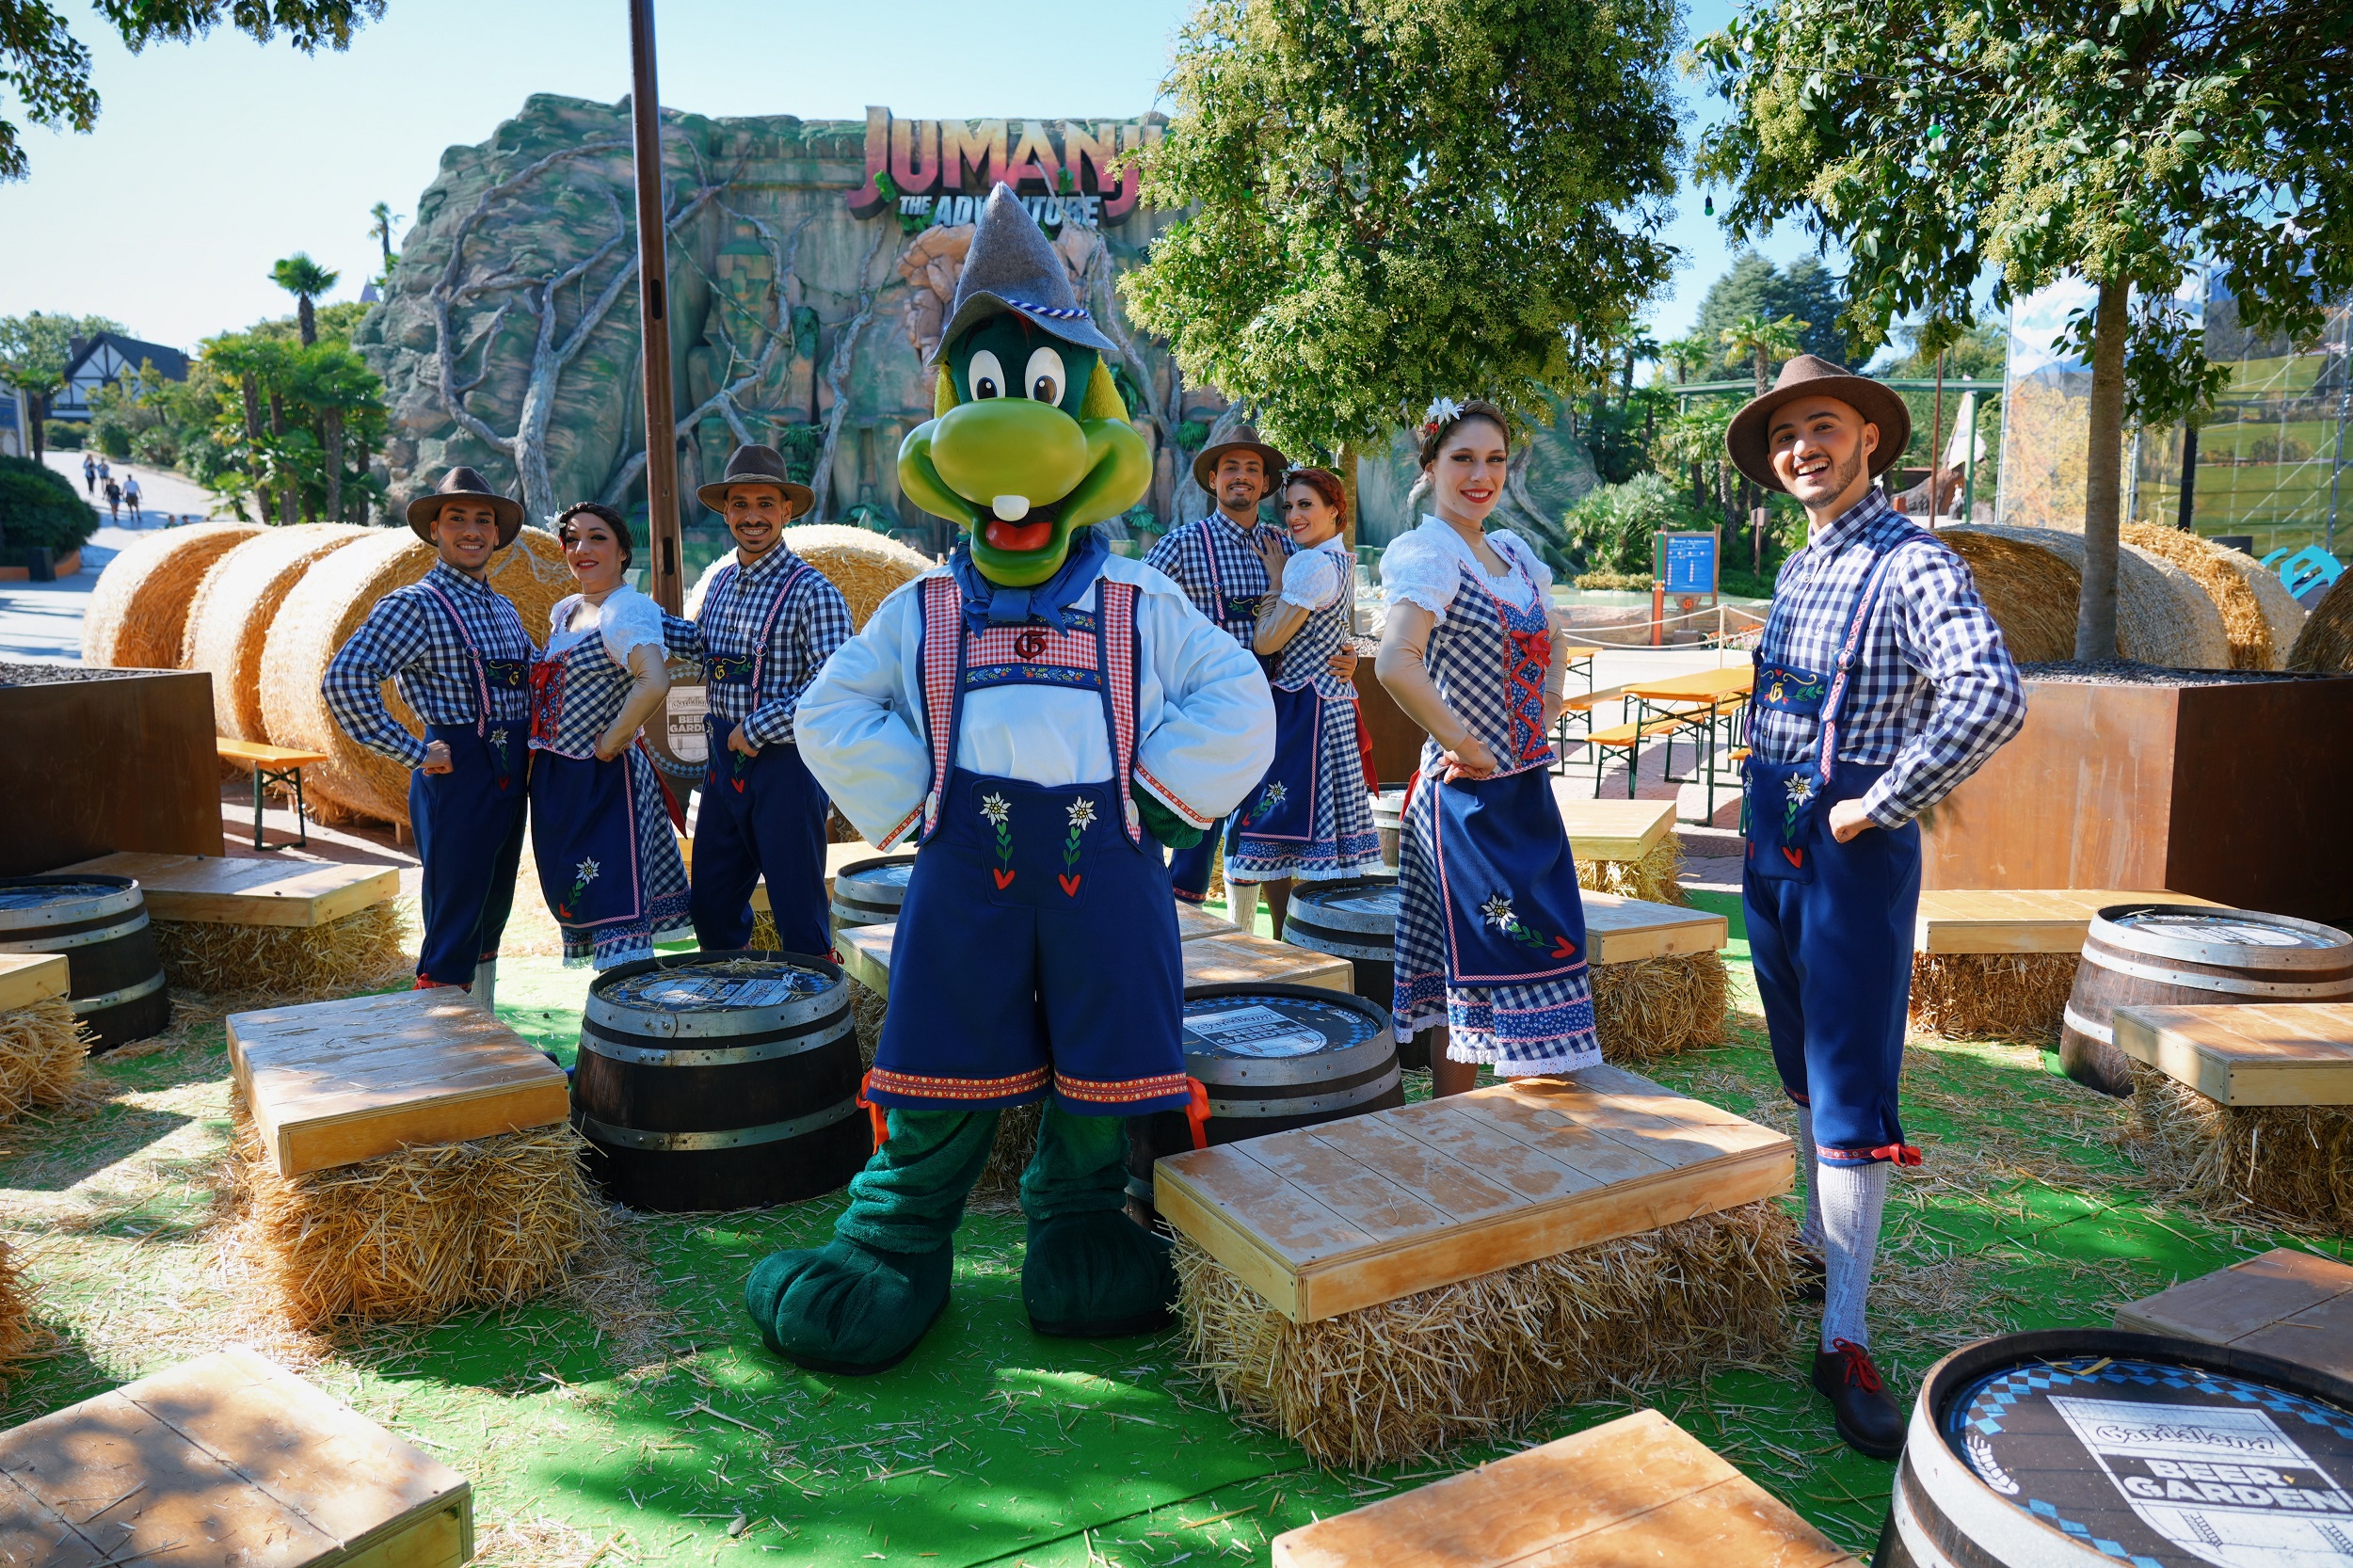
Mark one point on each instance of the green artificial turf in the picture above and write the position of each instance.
(992, 1445)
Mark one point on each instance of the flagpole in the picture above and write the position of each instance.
(662, 511)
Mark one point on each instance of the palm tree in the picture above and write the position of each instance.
(306, 280)
(1640, 345)
(1765, 341)
(381, 231)
(1686, 357)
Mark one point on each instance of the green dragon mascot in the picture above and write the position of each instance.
(1042, 717)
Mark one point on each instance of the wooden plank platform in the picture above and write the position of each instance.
(2287, 1304)
(2287, 1053)
(1636, 1490)
(1225, 957)
(225, 1460)
(206, 890)
(1325, 1220)
(2017, 920)
(1623, 930)
(336, 1082)
(1611, 829)
(1195, 922)
(27, 977)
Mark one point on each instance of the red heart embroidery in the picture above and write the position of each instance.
(1004, 878)
(1563, 948)
(1795, 857)
(1069, 885)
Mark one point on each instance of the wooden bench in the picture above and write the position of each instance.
(225, 1459)
(1228, 956)
(1612, 829)
(1639, 1489)
(2284, 1302)
(2283, 1053)
(271, 765)
(26, 978)
(2017, 919)
(1627, 930)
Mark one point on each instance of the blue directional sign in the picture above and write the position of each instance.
(1690, 563)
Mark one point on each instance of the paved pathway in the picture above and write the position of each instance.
(43, 620)
(166, 497)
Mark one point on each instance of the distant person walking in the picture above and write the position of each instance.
(114, 501)
(106, 471)
(89, 474)
(131, 495)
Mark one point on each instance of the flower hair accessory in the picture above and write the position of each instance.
(1440, 410)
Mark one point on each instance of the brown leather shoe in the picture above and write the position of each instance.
(1867, 1419)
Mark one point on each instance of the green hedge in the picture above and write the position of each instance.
(37, 506)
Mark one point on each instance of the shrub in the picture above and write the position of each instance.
(1615, 582)
(114, 440)
(1610, 529)
(38, 507)
(66, 436)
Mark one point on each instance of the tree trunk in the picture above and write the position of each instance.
(307, 319)
(1347, 490)
(1760, 370)
(332, 441)
(286, 488)
(2095, 610)
(37, 415)
(253, 443)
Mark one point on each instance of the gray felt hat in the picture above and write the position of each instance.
(1011, 266)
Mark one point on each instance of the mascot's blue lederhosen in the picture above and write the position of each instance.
(1491, 926)
(1310, 818)
(1189, 867)
(1830, 924)
(1038, 918)
(469, 823)
(759, 816)
(608, 864)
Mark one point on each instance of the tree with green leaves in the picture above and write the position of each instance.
(306, 280)
(1391, 201)
(35, 349)
(381, 221)
(48, 67)
(1753, 285)
(2126, 143)
(1763, 343)
(1689, 356)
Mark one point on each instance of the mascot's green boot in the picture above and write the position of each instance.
(862, 1303)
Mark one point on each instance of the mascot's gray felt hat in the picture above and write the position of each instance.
(1011, 266)
(757, 465)
(1748, 436)
(464, 483)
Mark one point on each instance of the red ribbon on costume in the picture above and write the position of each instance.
(1198, 1112)
(882, 1126)
(1896, 1154)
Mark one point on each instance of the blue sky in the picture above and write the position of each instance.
(211, 160)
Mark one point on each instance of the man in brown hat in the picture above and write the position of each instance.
(458, 652)
(768, 620)
(1882, 682)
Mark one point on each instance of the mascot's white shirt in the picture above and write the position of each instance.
(1204, 720)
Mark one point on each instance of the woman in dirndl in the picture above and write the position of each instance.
(1310, 819)
(609, 863)
(1490, 927)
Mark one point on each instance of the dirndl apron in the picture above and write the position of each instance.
(1490, 925)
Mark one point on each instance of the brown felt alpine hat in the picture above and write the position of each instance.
(1810, 375)
(1244, 439)
(757, 465)
(467, 483)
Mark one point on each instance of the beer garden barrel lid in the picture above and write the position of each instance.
(36, 895)
(881, 873)
(725, 984)
(1271, 1026)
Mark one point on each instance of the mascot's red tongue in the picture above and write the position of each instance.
(1017, 537)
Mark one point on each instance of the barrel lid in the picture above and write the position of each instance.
(2159, 1459)
(891, 872)
(57, 900)
(1233, 1033)
(699, 993)
(1361, 904)
(2201, 933)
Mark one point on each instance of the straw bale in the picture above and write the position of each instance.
(2031, 578)
(1658, 877)
(2286, 1164)
(1992, 996)
(2281, 613)
(231, 612)
(1657, 1007)
(322, 611)
(2326, 642)
(362, 951)
(19, 1337)
(138, 610)
(864, 565)
(1480, 1359)
(43, 1046)
(763, 937)
(2244, 624)
(415, 1236)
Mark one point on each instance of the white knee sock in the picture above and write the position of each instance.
(1810, 1234)
(1853, 1198)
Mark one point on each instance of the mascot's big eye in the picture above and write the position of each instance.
(986, 376)
(1045, 376)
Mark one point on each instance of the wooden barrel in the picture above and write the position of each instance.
(2083, 1446)
(1388, 817)
(868, 892)
(1272, 1058)
(114, 976)
(720, 1081)
(1356, 920)
(2158, 955)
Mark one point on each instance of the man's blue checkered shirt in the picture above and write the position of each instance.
(410, 640)
(1932, 692)
(813, 620)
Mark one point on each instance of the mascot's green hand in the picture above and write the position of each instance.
(1166, 825)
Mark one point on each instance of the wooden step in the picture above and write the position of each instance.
(27, 977)
(209, 889)
(2284, 1302)
(2020, 919)
(1223, 957)
(1325, 1220)
(336, 1082)
(228, 1459)
(1624, 929)
(1636, 1490)
(255, 754)
(1195, 922)
(2283, 1053)
(1611, 829)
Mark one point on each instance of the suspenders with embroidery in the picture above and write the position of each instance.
(946, 648)
(731, 669)
(506, 674)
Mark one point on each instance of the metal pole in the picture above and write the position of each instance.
(661, 519)
(2344, 405)
(1936, 453)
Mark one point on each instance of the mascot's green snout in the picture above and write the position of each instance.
(1030, 439)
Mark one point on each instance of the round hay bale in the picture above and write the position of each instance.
(864, 565)
(319, 614)
(2162, 616)
(2279, 610)
(2326, 642)
(231, 612)
(2245, 626)
(139, 609)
